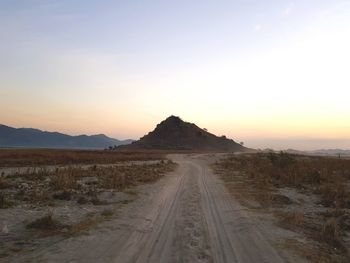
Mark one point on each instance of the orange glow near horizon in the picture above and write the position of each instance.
(250, 72)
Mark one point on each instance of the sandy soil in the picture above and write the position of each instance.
(187, 216)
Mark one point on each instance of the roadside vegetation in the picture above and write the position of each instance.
(308, 195)
(68, 200)
(42, 187)
(40, 157)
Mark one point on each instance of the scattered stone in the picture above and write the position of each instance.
(4, 228)
(88, 180)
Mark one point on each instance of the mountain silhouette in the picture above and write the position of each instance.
(34, 138)
(175, 134)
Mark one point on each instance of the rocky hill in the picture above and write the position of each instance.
(175, 134)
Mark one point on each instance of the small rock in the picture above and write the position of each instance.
(47, 180)
(4, 228)
(88, 180)
(25, 185)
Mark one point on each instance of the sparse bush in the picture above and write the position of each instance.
(63, 180)
(82, 200)
(96, 201)
(3, 183)
(46, 222)
(63, 195)
(281, 160)
(2, 201)
(331, 232)
(107, 213)
(121, 177)
(292, 218)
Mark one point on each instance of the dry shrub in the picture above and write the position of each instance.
(96, 201)
(65, 179)
(74, 182)
(334, 195)
(121, 177)
(331, 232)
(3, 201)
(35, 157)
(82, 200)
(314, 253)
(4, 183)
(63, 195)
(107, 213)
(46, 222)
(292, 219)
(38, 196)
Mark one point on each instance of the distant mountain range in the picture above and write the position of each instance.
(331, 152)
(175, 134)
(34, 138)
(321, 152)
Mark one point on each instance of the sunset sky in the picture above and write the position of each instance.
(269, 73)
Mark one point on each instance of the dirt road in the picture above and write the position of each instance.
(188, 216)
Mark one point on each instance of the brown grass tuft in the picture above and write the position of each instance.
(107, 213)
(291, 219)
(4, 202)
(64, 179)
(46, 222)
(3, 183)
(331, 232)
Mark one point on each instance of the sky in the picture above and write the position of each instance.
(273, 74)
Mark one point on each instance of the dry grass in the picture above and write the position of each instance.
(292, 218)
(77, 189)
(122, 177)
(115, 177)
(80, 184)
(258, 177)
(83, 225)
(328, 177)
(107, 213)
(46, 222)
(312, 253)
(36, 157)
(48, 225)
(4, 201)
(331, 231)
(4, 183)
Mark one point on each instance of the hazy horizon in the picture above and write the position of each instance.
(272, 74)
(302, 144)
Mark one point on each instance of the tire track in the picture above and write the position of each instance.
(222, 244)
(235, 237)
